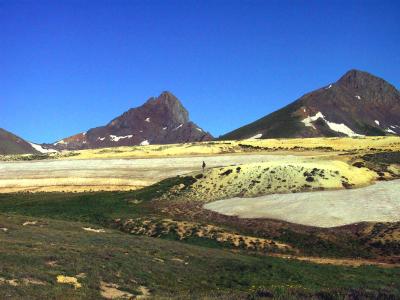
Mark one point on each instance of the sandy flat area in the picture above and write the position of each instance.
(110, 174)
(379, 202)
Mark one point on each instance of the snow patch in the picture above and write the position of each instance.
(342, 128)
(164, 128)
(394, 127)
(308, 121)
(199, 129)
(257, 136)
(358, 97)
(147, 120)
(101, 138)
(377, 122)
(390, 130)
(144, 143)
(41, 149)
(178, 127)
(327, 88)
(62, 142)
(93, 230)
(116, 138)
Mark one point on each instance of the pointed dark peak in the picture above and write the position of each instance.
(167, 94)
(161, 120)
(357, 79)
(168, 105)
(169, 98)
(165, 97)
(355, 73)
(359, 101)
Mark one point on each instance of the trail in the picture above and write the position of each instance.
(347, 262)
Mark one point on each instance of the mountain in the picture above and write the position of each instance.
(357, 104)
(161, 120)
(12, 144)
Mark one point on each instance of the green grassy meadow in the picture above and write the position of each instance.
(56, 244)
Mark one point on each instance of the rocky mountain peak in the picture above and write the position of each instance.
(168, 106)
(360, 80)
(160, 120)
(357, 104)
(357, 79)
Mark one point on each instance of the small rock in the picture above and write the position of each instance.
(29, 223)
(81, 275)
(111, 291)
(93, 230)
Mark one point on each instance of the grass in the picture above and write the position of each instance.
(97, 208)
(167, 268)
(313, 245)
(102, 208)
(195, 268)
(383, 157)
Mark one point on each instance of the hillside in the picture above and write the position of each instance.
(357, 104)
(12, 144)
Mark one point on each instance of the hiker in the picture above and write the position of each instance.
(203, 166)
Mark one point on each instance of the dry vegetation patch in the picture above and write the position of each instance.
(184, 230)
(69, 280)
(112, 291)
(257, 179)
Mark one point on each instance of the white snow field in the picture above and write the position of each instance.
(379, 202)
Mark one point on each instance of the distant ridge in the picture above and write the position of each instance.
(12, 144)
(357, 104)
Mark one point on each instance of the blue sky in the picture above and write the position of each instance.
(67, 66)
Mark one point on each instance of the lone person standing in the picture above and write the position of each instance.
(203, 166)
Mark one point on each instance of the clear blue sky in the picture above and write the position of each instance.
(67, 66)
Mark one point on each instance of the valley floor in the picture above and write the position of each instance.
(114, 174)
(160, 234)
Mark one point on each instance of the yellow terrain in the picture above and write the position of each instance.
(129, 168)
